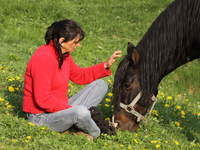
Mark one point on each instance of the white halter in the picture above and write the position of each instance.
(130, 108)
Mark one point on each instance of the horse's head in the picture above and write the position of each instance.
(129, 99)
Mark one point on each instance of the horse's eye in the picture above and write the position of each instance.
(126, 85)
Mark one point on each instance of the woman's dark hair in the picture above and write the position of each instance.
(67, 29)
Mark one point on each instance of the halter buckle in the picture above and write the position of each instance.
(128, 108)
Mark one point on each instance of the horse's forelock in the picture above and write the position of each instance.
(121, 72)
(119, 77)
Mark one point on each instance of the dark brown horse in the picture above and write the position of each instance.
(172, 40)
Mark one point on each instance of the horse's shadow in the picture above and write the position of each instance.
(189, 124)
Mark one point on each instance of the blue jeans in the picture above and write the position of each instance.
(78, 114)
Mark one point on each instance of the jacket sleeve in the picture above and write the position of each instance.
(86, 75)
(42, 71)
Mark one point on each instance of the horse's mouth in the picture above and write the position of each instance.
(123, 122)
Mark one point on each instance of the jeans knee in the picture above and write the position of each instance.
(103, 86)
(83, 113)
(96, 133)
(85, 122)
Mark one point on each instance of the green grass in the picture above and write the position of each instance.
(109, 25)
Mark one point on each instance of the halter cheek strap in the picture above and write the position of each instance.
(130, 107)
(132, 111)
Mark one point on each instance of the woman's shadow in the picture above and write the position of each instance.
(13, 94)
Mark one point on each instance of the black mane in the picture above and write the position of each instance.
(171, 41)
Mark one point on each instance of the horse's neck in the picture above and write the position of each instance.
(154, 70)
(169, 43)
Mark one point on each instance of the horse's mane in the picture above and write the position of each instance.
(168, 42)
(166, 45)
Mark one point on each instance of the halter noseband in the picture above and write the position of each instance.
(130, 109)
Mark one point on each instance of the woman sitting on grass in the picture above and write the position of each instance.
(47, 76)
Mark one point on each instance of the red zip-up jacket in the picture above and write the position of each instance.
(46, 86)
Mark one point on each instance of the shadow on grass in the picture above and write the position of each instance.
(15, 98)
(190, 123)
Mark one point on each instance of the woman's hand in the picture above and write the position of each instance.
(112, 59)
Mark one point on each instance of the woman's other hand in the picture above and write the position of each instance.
(112, 59)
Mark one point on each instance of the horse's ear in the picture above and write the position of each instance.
(130, 49)
(132, 53)
(135, 56)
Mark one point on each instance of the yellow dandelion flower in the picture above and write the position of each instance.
(130, 147)
(187, 100)
(106, 105)
(14, 140)
(42, 128)
(154, 112)
(26, 140)
(70, 85)
(105, 144)
(166, 105)
(161, 95)
(179, 96)
(178, 107)
(7, 103)
(10, 80)
(31, 124)
(107, 118)
(2, 99)
(176, 142)
(108, 100)
(177, 123)
(135, 141)
(109, 81)
(17, 89)
(182, 113)
(157, 145)
(154, 141)
(28, 137)
(121, 145)
(193, 144)
(17, 78)
(9, 106)
(182, 116)
(110, 94)
(169, 97)
(11, 89)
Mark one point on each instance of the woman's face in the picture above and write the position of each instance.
(70, 46)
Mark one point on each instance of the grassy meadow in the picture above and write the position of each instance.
(109, 25)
